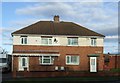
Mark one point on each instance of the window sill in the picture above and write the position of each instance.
(50, 45)
(23, 44)
(73, 45)
(46, 64)
(94, 46)
(71, 64)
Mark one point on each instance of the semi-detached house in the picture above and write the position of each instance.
(57, 46)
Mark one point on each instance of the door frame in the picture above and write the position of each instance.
(20, 68)
(92, 69)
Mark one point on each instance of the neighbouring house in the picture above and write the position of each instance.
(55, 46)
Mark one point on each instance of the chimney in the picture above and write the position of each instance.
(56, 18)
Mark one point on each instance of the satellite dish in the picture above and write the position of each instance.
(55, 40)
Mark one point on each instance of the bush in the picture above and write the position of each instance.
(115, 70)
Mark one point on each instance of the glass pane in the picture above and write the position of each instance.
(68, 59)
(3, 60)
(22, 41)
(94, 41)
(44, 41)
(23, 61)
(68, 41)
(73, 59)
(25, 40)
(92, 61)
(50, 41)
(75, 41)
(46, 61)
(72, 41)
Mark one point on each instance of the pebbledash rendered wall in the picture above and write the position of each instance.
(81, 51)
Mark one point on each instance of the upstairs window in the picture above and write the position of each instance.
(72, 41)
(46, 41)
(72, 60)
(24, 40)
(93, 41)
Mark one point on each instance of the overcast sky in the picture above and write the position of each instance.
(100, 16)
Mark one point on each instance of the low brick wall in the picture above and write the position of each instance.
(63, 74)
(113, 62)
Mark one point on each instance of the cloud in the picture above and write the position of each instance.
(52, 0)
(95, 15)
(60, 0)
(20, 23)
(0, 34)
(111, 44)
(46, 9)
(111, 39)
(0, 30)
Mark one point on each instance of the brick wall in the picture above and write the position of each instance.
(60, 61)
(114, 61)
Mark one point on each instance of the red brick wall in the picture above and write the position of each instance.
(114, 62)
(15, 63)
(63, 51)
(118, 62)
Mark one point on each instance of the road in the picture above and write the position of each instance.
(6, 76)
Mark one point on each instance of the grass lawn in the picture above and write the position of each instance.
(62, 79)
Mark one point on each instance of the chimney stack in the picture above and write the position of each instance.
(56, 18)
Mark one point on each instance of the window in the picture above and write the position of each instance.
(23, 40)
(23, 61)
(74, 60)
(46, 41)
(93, 41)
(46, 60)
(92, 61)
(3, 60)
(72, 41)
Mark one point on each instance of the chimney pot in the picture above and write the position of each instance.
(56, 18)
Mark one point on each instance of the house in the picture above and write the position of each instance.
(55, 46)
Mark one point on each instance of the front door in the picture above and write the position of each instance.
(23, 63)
(93, 65)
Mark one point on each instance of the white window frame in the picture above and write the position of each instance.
(93, 42)
(70, 60)
(72, 41)
(42, 58)
(23, 40)
(48, 41)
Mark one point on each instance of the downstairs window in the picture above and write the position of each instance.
(46, 60)
(72, 60)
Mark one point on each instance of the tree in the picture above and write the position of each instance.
(3, 51)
